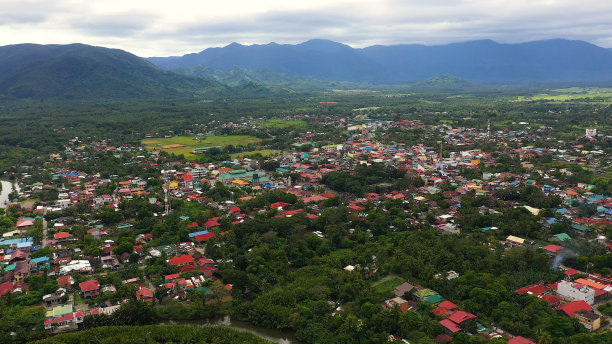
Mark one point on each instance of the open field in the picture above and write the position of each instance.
(263, 152)
(281, 124)
(186, 144)
(572, 93)
(387, 284)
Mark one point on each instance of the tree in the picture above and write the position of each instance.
(545, 338)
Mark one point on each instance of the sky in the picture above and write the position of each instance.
(176, 27)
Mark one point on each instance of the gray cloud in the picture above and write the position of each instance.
(114, 25)
(169, 28)
(24, 12)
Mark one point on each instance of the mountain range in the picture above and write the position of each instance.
(78, 71)
(81, 71)
(483, 61)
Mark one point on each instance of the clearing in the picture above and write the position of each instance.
(186, 144)
(387, 284)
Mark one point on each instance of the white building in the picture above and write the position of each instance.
(76, 266)
(590, 132)
(571, 291)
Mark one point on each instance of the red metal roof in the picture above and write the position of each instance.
(553, 248)
(460, 316)
(449, 325)
(89, 285)
(61, 235)
(574, 307)
(535, 289)
(447, 304)
(520, 340)
(204, 237)
(179, 260)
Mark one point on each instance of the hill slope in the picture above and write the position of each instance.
(479, 61)
(81, 71)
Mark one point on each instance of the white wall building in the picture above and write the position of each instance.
(571, 291)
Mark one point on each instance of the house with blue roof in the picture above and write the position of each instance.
(194, 234)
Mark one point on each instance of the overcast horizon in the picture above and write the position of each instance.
(160, 28)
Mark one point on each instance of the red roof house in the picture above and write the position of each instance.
(552, 248)
(520, 340)
(573, 307)
(450, 326)
(212, 222)
(90, 289)
(204, 237)
(144, 294)
(460, 316)
(185, 263)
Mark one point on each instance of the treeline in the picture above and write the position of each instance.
(375, 177)
(157, 334)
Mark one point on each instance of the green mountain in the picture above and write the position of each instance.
(483, 61)
(444, 82)
(79, 71)
(236, 76)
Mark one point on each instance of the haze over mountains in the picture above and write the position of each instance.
(482, 61)
(80, 71)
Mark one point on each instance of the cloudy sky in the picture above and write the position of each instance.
(176, 27)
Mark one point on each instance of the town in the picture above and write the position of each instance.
(319, 225)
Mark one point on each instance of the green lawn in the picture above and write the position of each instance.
(572, 93)
(388, 285)
(263, 152)
(281, 124)
(185, 144)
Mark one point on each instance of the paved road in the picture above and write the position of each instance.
(45, 231)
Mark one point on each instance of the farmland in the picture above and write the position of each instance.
(282, 124)
(185, 144)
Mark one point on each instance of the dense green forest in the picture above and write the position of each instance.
(155, 334)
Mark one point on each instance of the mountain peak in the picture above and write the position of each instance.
(323, 44)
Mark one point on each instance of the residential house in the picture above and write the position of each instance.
(513, 241)
(145, 294)
(590, 320)
(62, 318)
(55, 298)
(90, 289)
(520, 340)
(403, 288)
(185, 262)
(21, 271)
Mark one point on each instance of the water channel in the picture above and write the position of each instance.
(275, 336)
(7, 188)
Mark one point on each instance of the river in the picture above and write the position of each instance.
(275, 336)
(7, 188)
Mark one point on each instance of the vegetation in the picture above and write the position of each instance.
(162, 334)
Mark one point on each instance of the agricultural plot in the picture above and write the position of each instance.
(186, 144)
(281, 124)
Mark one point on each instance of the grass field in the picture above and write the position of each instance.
(185, 144)
(263, 152)
(280, 124)
(388, 285)
(572, 93)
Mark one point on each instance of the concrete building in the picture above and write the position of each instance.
(575, 291)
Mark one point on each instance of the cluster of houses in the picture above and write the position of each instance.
(575, 297)
(361, 144)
